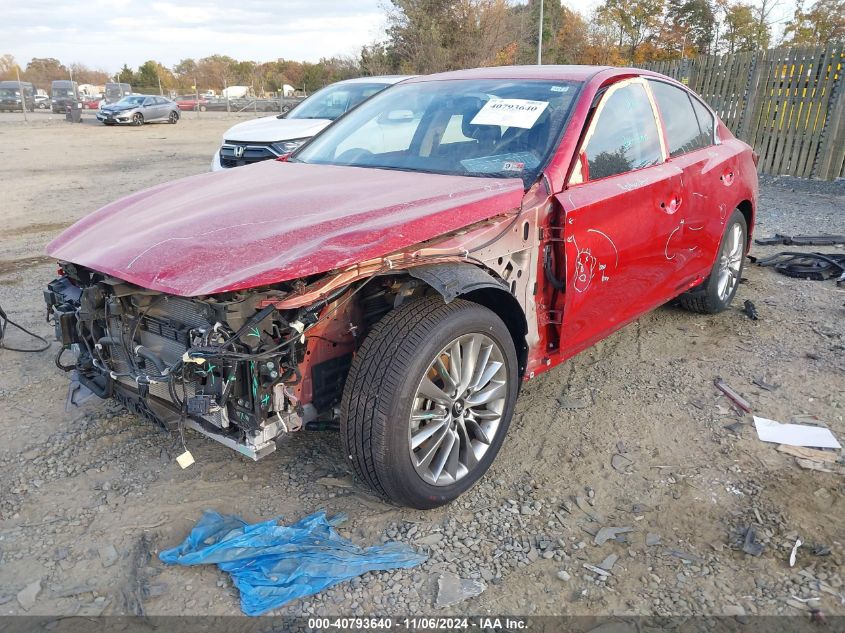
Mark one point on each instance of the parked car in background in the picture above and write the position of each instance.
(11, 99)
(92, 103)
(139, 109)
(114, 92)
(42, 102)
(63, 94)
(405, 284)
(273, 136)
(191, 103)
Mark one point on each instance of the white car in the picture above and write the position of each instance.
(273, 136)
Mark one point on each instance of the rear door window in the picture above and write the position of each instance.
(705, 119)
(625, 136)
(683, 133)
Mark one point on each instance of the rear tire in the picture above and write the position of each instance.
(406, 445)
(717, 291)
(173, 119)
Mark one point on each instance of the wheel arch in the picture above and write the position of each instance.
(747, 209)
(470, 282)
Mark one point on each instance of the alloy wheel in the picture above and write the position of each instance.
(457, 409)
(730, 261)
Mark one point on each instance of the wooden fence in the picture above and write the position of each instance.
(787, 103)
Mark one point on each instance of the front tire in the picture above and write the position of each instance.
(717, 291)
(137, 119)
(428, 400)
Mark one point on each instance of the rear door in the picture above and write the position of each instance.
(688, 128)
(621, 210)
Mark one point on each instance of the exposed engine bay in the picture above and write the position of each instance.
(230, 366)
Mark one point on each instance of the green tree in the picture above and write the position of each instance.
(740, 28)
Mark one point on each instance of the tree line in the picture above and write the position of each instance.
(425, 36)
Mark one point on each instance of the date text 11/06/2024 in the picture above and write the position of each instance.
(418, 623)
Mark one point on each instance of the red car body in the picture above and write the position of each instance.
(563, 260)
(282, 221)
(191, 103)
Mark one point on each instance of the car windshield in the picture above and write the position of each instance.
(333, 101)
(131, 101)
(63, 92)
(485, 127)
(9, 92)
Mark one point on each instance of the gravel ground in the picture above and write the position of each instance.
(629, 434)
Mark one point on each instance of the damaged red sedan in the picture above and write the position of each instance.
(403, 272)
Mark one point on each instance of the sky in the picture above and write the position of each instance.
(105, 34)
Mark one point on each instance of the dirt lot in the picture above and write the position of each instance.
(90, 496)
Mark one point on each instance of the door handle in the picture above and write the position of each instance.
(672, 206)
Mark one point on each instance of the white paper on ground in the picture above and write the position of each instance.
(794, 434)
(510, 113)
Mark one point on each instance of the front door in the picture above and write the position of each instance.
(621, 216)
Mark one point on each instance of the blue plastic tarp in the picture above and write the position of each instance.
(272, 564)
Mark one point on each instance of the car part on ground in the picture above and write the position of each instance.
(388, 277)
(801, 240)
(815, 266)
(5, 322)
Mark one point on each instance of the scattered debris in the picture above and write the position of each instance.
(809, 453)
(750, 310)
(683, 555)
(108, 555)
(820, 550)
(429, 539)
(27, 595)
(737, 399)
(794, 552)
(452, 589)
(608, 563)
(596, 570)
(564, 575)
(620, 463)
(750, 544)
(814, 266)
(761, 382)
(652, 539)
(794, 434)
(801, 240)
(335, 482)
(607, 533)
(735, 427)
(574, 403)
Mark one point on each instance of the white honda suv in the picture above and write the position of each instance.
(273, 136)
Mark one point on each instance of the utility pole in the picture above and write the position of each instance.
(23, 95)
(540, 37)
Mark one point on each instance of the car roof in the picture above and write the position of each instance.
(378, 79)
(552, 72)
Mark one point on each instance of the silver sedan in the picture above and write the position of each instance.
(139, 109)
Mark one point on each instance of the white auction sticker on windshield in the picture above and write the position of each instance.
(510, 113)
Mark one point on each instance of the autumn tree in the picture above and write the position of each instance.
(634, 20)
(823, 23)
(42, 71)
(8, 66)
(690, 25)
(740, 28)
